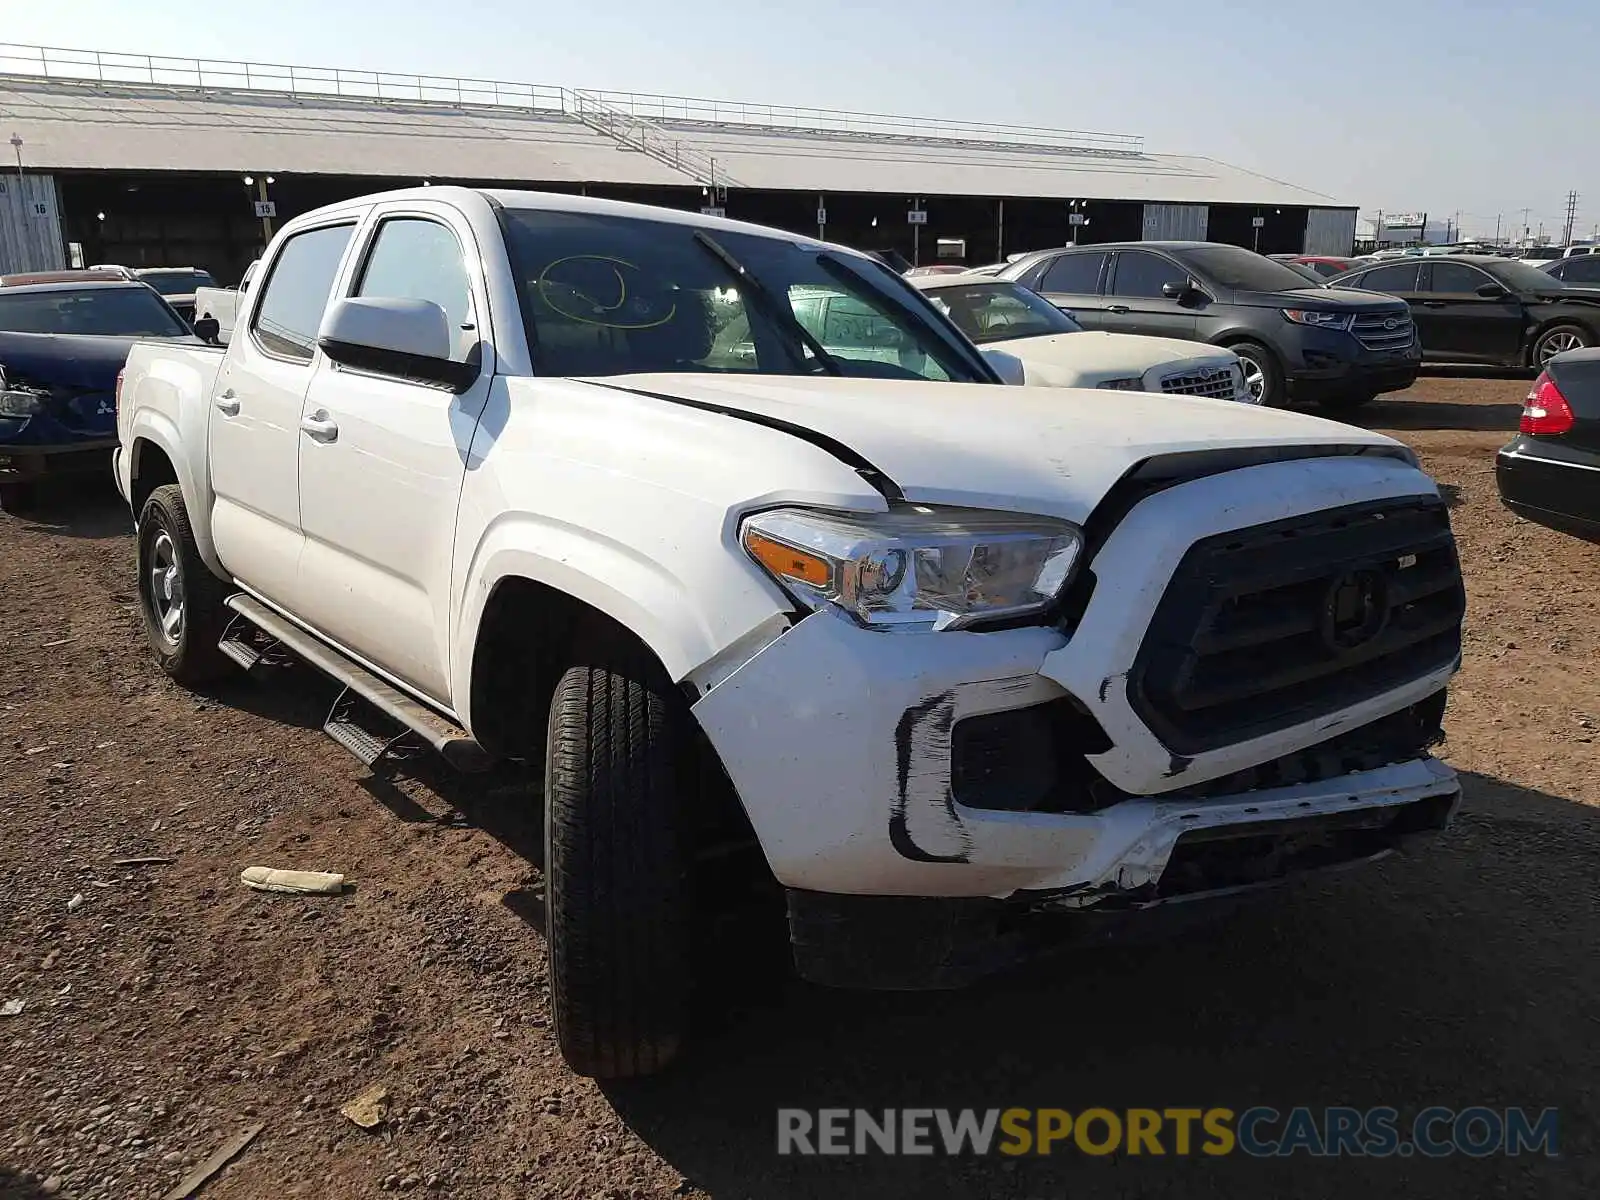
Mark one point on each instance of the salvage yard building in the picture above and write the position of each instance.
(157, 161)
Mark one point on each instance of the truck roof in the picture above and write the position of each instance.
(566, 202)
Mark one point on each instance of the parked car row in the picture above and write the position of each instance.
(634, 496)
(1485, 309)
(1295, 339)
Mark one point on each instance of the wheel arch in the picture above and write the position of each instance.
(155, 457)
(1590, 329)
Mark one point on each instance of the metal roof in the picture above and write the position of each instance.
(296, 120)
(102, 126)
(794, 160)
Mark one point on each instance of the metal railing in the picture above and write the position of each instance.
(827, 120)
(632, 118)
(646, 136)
(105, 66)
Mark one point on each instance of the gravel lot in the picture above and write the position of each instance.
(172, 1008)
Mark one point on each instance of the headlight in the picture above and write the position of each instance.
(1133, 383)
(916, 567)
(1320, 318)
(14, 403)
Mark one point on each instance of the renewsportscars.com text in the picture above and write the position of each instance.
(1258, 1132)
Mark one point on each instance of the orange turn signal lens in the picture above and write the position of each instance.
(786, 562)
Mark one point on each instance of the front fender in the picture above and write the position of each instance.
(640, 594)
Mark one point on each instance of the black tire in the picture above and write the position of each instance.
(1540, 351)
(617, 888)
(189, 653)
(18, 497)
(1274, 394)
(1346, 402)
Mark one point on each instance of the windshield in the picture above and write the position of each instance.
(177, 283)
(1520, 277)
(606, 295)
(1243, 270)
(127, 311)
(997, 312)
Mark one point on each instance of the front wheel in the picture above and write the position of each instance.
(180, 599)
(1263, 377)
(1558, 339)
(617, 894)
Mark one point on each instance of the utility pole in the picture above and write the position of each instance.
(1572, 212)
(1497, 217)
(1525, 231)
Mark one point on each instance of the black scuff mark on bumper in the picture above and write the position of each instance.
(1177, 764)
(924, 730)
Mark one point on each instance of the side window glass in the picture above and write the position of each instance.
(1141, 274)
(1585, 269)
(1457, 278)
(1402, 277)
(851, 330)
(1077, 274)
(417, 259)
(296, 291)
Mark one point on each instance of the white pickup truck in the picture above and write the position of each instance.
(941, 658)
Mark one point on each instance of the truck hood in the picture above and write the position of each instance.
(1061, 359)
(1043, 450)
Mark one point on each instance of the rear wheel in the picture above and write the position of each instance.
(180, 599)
(1263, 377)
(617, 892)
(1558, 339)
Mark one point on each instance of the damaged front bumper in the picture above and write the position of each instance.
(839, 743)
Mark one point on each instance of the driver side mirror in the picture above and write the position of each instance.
(1174, 290)
(1492, 291)
(408, 339)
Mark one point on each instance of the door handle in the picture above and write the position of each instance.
(320, 426)
(228, 404)
(1117, 308)
(1433, 304)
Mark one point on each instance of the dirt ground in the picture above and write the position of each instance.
(172, 1008)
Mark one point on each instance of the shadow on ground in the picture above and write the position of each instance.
(1470, 952)
(87, 507)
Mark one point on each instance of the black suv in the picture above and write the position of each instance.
(1298, 341)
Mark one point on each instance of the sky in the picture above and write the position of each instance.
(1441, 106)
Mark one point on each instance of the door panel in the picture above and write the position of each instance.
(1454, 322)
(254, 436)
(1134, 300)
(1072, 281)
(382, 464)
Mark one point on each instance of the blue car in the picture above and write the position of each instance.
(62, 344)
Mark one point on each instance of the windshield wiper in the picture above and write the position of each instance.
(775, 309)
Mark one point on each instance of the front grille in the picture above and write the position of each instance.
(1219, 382)
(1264, 628)
(1375, 331)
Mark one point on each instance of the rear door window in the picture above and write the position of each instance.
(1395, 279)
(1074, 274)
